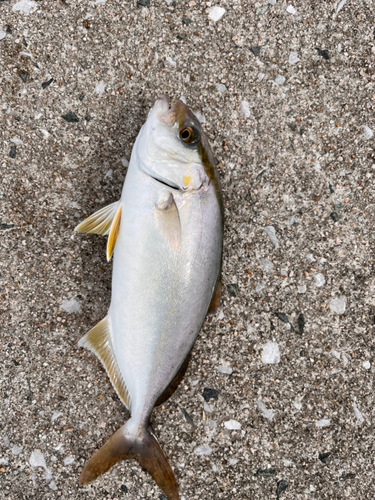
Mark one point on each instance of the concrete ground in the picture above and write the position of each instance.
(278, 400)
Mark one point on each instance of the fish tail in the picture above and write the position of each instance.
(143, 448)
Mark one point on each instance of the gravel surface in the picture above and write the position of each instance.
(278, 399)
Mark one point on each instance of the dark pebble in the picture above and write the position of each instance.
(323, 53)
(8, 30)
(255, 51)
(331, 188)
(13, 152)
(124, 488)
(24, 42)
(265, 472)
(209, 394)
(16, 363)
(301, 323)
(162, 497)
(46, 84)
(281, 487)
(24, 76)
(187, 417)
(81, 97)
(88, 118)
(338, 206)
(186, 21)
(334, 216)
(17, 118)
(232, 289)
(144, 3)
(174, 4)
(323, 457)
(180, 37)
(3, 227)
(283, 317)
(248, 197)
(260, 175)
(70, 118)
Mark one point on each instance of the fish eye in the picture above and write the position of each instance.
(189, 135)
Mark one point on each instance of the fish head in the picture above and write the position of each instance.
(169, 147)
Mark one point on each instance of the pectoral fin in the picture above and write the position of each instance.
(98, 341)
(113, 234)
(168, 221)
(215, 301)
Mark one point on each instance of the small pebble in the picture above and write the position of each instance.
(268, 414)
(47, 83)
(271, 233)
(203, 450)
(227, 370)
(13, 152)
(16, 450)
(100, 88)
(339, 47)
(70, 306)
(70, 117)
(281, 487)
(245, 109)
(293, 58)
(124, 162)
(221, 88)
(259, 287)
(232, 289)
(324, 422)
(340, 5)
(368, 132)
(2, 35)
(271, 353)
(280, 80)
(265, 472)
(56, 415)
(261, 76)
(255, 50)
(209, 394)
(24, 6)
(216, 13)
(68, 460)
(266, 264)
(272, 2)
(358, 414)
(232, 425)
(323, 457)
(171, 62)
(323, 53)
(301, 288)
(335, 216)
(319, 280)
(338, 306)
(291, 10)
(367, 365)
(261, 10)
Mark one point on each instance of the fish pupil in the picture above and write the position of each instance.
(185, 134)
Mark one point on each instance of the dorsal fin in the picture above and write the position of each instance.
(100, 222)
(98, 341)
(113, 234)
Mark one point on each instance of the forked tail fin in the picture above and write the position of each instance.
(143, 448)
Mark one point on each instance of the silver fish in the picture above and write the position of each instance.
(166, 237)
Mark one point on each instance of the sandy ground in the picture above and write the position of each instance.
(286, 93)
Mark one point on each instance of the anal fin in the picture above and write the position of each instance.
(98, 341)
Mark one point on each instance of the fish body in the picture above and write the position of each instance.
(166, 237)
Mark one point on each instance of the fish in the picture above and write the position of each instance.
(165, 236)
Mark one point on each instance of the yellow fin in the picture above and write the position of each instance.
(168, 221)
(98, 341)
(113, 233)
(100, 222)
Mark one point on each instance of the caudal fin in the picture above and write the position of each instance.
(143, 448)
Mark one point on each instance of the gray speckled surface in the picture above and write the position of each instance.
(298, 157)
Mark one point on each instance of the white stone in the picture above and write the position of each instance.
(293, 58)
(271, 233)
(24, 6)
(108, 174)
(233, 461)
(319, 280)
(287, 463)
(203, 450)
(344, 359)
(100, 88)
(358, 414)
(338, 306)
(45, 133)
(301, 289)
(227, 370)
(261, 76)
(16, 450)
(220, 315)
(201, 118)
(268, 414)
(124, 162)
(17, 141)
(70, 306)
(291, 9)
(366, 365)
(52, 485)
(207, 408)
(216, 13)
(291, 220)
(68, 460)
(266, 264)
(3, 461)
(232, 425)
(56, 415)
(97, 2)
(245, 109)
(39, 115)
(297, 405)
(335, 354)
(310, 258)
(259, 287)
(272, 2)
(37, 460)
(340, 5)
(171, 62)
(2, 34)
(271, 353)
(280, 80)
(368, 132)
(324, 422)
(339, 47)
(221, 88)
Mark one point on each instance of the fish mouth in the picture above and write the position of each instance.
(178, 113)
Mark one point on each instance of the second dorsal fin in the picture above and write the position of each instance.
(98, 341)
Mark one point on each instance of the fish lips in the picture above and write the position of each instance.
(178, 114)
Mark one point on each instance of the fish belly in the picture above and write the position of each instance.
(160, 295)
